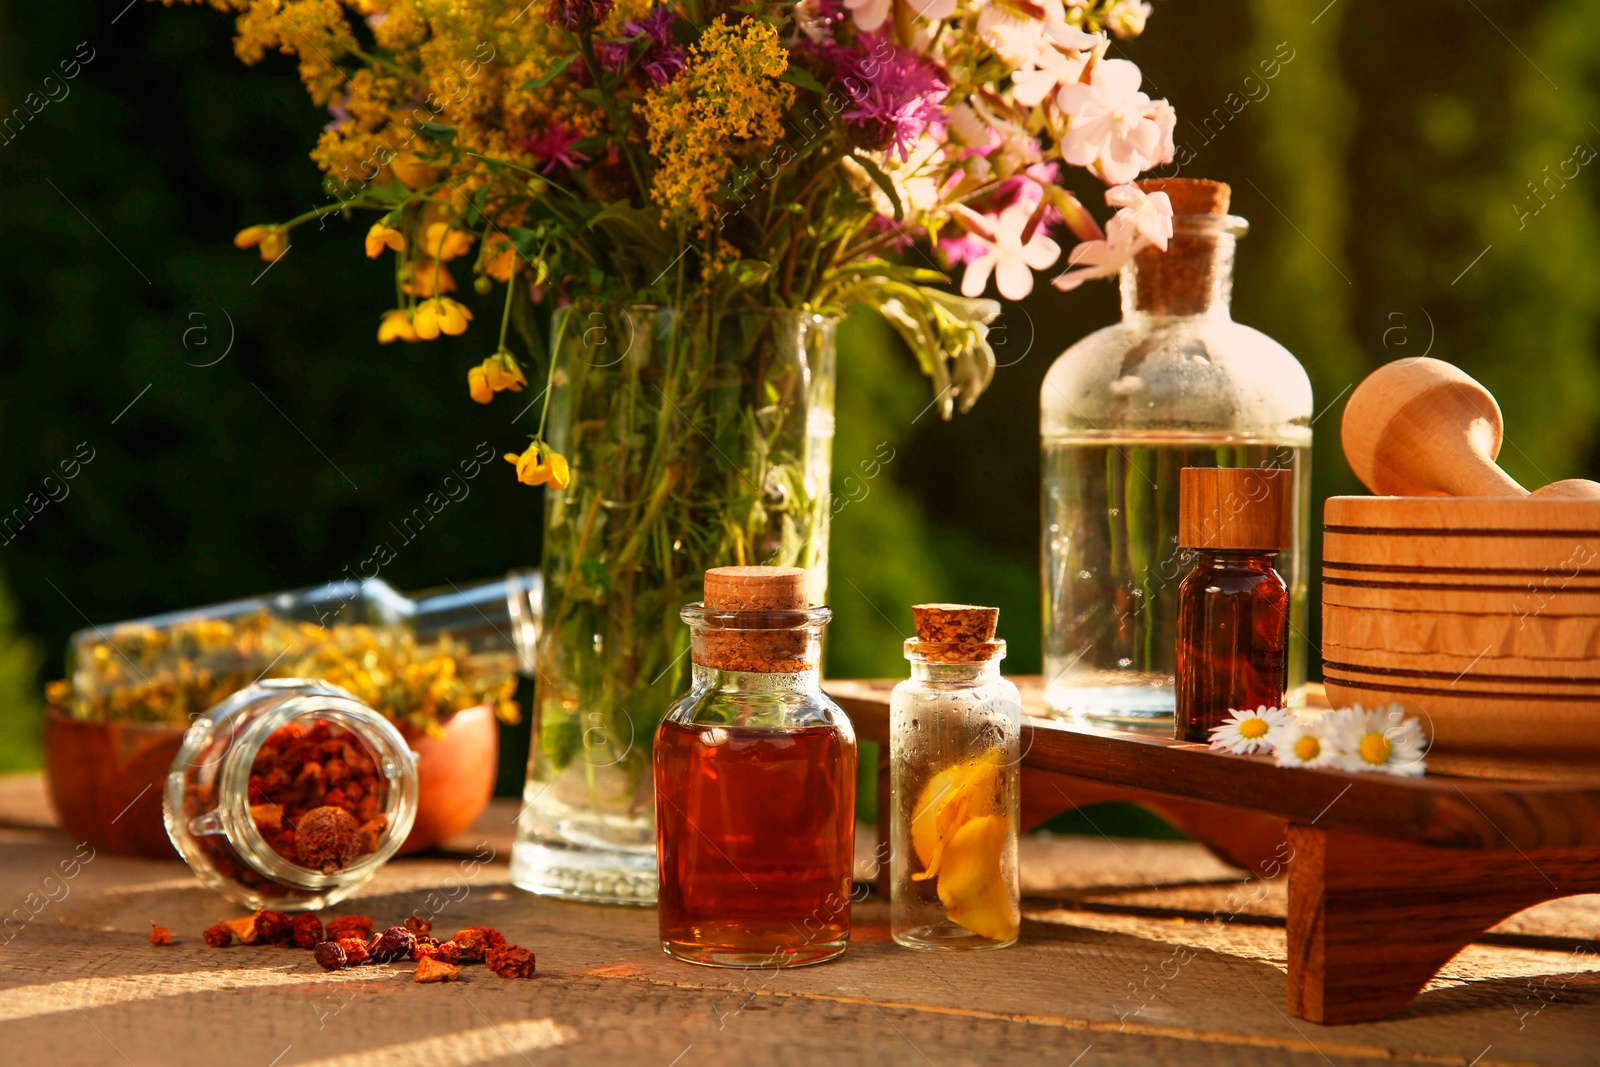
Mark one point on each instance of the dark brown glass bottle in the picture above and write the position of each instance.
(1233, 607)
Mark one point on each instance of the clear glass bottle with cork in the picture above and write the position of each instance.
(1233, 606)
(1177, 383)
(755, 775)
(955, 730)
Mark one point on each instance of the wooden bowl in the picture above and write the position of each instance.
(1527, 634)
(1465, 721)
(106, 780)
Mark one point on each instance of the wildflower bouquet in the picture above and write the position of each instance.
(694, 189)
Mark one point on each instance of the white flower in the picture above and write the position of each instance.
(1244, 732)
(1303, 743)
(1384, 739)
(1144, 220)
(1127, 18)
(869, 14)
(1114, 129)
(1006, 253)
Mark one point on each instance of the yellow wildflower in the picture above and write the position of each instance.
(426, 278)
(727, 105)
(499, 258)
(383, 236)
(959, 833)
(496, 374)
(540, 466)
(440, 315)
(396, 326)
(441, 242)
(273, 241)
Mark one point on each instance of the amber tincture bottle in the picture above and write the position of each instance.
(755, 784)
(1233, 607)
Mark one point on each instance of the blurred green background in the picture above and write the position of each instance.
(1396, 168)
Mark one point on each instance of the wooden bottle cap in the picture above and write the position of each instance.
(954, 622)
(1191, 196)
(1235, 507)
(756, 589)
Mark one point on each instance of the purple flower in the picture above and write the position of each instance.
(554, 146)
(894, 95)
(665, 63)
(578, 15)
(613, 55)
(657, 26)
(340, 110)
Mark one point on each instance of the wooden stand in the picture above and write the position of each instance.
(1388, 877)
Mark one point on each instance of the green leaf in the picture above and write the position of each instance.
(803, 78)
(438, 132)
(881, 180)
(552, 74)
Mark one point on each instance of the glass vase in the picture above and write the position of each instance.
(699, 437)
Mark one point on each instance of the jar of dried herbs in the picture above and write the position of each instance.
(290, 794)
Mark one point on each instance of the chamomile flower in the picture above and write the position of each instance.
(1298, 742)
(1244, 732)
(1384, 739)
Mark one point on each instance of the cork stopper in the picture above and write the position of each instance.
(1183, 279)
(1191, 196)
(756, 589)
(955, 633)
(1234, 507)
(755, 619)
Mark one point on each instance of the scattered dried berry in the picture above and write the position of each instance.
(476, 941)
(330, 956)
(425, 947)
(159, 935)
(273, 927)
(511, 961)
(431, 970)
(420, 927)
(393, 944)
(219, 936)
(328, 838)
(349, 926)
(244, 929)
(448, 952)
(307, 930)
(355, 950)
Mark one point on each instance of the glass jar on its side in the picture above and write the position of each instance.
(955, 750)
(290, 794)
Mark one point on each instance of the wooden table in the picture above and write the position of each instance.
(1388, 877)
(1123, 960)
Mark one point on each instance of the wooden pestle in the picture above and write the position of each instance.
(1422, 427)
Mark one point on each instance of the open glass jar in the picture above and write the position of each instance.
(290, 794)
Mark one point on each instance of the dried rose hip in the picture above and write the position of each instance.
(273, 927)
(307, 930)
(330, 956)
(159, 935)
(393, 944)
(349, 926)
(218, 936)
(511, 961)
(355, 950)
(327, 839)
(425, 947)
(431, 970)
(418, 926)
(476, 941)
(243, 928)
(448, 952)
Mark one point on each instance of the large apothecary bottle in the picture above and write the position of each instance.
(1177, 383)
(755, 784)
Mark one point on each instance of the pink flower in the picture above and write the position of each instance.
(869, 14)
(1144, 220)
(1114, 129)
(894, 95)
(1011, 245)
(554, 146)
